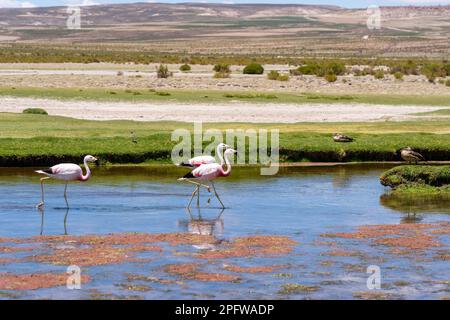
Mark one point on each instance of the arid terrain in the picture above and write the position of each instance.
(198, 28)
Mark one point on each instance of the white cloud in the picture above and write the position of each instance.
(16, 4)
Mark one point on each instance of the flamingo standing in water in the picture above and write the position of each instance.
(208, 173)
(201, 160)
(198, 161)
(66, 172)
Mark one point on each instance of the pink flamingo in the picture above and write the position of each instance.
(198, 161)
(66, 172)
(201, 160)
(210, 172)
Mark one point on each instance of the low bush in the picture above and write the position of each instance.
(163, 72)
(331, 77)
(222, 68)
(273, 75)
(379, 74)
(398, 75)
(35, 111)
(221, 75)
(254, 68)
(185, 68)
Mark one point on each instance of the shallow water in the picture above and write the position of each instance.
(301, 203)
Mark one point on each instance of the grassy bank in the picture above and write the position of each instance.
(211, 96)
(418, 180)
(28, 140)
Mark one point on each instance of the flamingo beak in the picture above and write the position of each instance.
(95, 159)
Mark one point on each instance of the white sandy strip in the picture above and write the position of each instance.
(231, 112)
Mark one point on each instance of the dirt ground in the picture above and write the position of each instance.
(201, 78)
(230, 112)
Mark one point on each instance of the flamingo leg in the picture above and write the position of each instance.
(40, 204)
(65, 195)
(41, 210)
(198, 197)
(193, 195)
(199, 185)
(217, 195)
(65, 221)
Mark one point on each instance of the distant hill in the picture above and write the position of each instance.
(202, 22)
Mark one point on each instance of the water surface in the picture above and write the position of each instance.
(301, 203)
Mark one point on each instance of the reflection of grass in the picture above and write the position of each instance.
(211, 96)
(417, 201)
(26, 137)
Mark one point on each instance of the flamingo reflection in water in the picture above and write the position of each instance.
(205, 227)
(42, 212)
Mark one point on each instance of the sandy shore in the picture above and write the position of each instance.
(232, 112)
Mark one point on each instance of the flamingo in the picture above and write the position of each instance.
(201, 160)
(210, 172)
(66, 172)
(198, 161)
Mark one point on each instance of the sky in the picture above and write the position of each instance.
(342, 3)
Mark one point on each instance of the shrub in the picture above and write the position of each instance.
(330, 77)
(35, 111)
(222, 68)
(447, 83)
(283, 77)
(322, 68)
(163, 72)
(273, 75)
(398, 75)
(254, 68)
(185, 68)
(221, 75)
(162, 93)
(379, 74)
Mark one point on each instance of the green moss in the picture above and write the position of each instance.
(416, 177)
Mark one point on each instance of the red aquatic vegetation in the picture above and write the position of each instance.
(98, 255)
(139, 248)
(342, 253)
(10, 281)
(129, 239)
(14, 249)
(251, 246)
(9, 260)
(192, 271)
(418, 242)
(264, 241)
(261, 269)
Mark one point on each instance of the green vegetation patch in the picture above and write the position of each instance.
(435, 176)
(30, 140)
(35, 111)
(217, 96)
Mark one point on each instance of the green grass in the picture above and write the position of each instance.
(441, 112)
(434, 176)
(28, 139)
(201, 96)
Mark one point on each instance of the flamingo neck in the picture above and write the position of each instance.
(88, 172)
(228, 163)
(219, 153)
